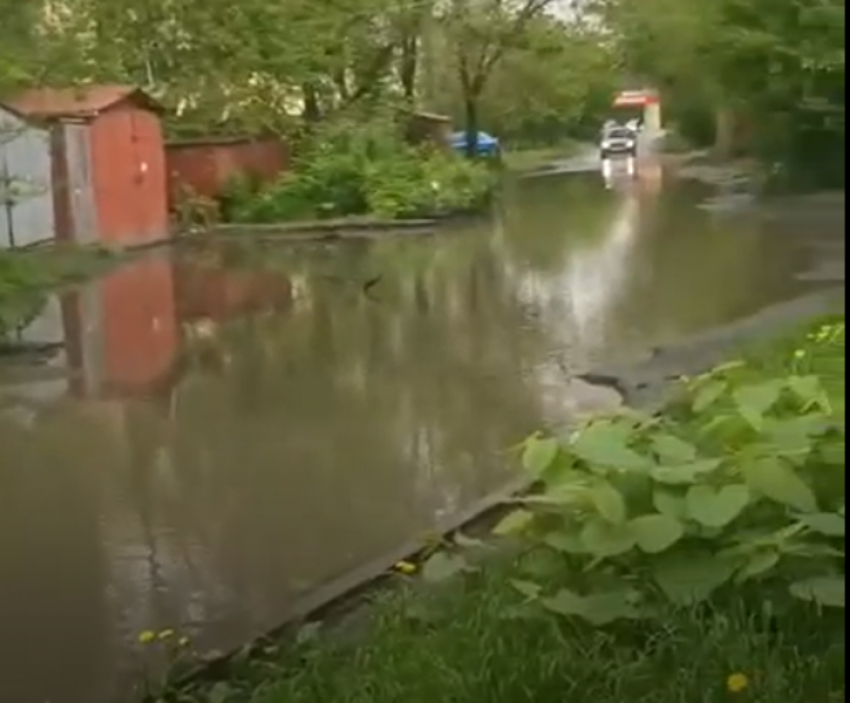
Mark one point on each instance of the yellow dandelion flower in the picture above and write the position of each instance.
(146, 636)
(737, 682)
(406, 567)
(166, 634)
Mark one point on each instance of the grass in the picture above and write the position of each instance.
(469, 640)
(817, 348)
(467, 643)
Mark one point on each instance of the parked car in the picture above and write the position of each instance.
(618, 141)
(487, 145)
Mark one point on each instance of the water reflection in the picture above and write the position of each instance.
(231, 428)
(612, 169)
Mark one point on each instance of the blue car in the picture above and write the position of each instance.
(487, 145)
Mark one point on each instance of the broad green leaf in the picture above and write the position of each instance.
(605, 444)
(567, 542)
(717, 424)
(598, 608)
(708, 395)
(561, 496)
(716, 507)
(759, 562)
(529, 589)
(609, 502)
(809, 389)
(467, 542)
(221, 692)
(539, 454)
(811, 550)
(691, 577)
(825, 590)
(542, 565)
(778, 481)
(684, 474)
(793, 437)
(607, 607)
(670, 503)
(564, 602)
(729, 366)
(442, 566)
(657, 533)
(604, 539)
(755, 400)
(829, 524)
(515, 522)
(672, 450)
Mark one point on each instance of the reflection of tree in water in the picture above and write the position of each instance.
(548, 219)
(691, 271)
(609, 271)
(340, 430)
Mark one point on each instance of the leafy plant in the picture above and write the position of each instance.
(365, 169)
(741, 481)
(26, 276)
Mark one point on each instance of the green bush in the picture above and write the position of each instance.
(425, 182)
(365, 170)
(21, 286)
(27, 276)
(740, 481)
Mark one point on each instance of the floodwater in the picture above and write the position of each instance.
(220, 433)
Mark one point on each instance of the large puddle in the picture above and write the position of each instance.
(219, 433)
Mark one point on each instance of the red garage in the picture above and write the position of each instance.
(108, 162)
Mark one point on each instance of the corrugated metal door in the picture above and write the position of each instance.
(26, 210)
(84, 223)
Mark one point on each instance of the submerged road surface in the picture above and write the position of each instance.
(227, 431)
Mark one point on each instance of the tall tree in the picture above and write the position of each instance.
(479, 34)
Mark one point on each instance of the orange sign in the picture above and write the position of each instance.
(635, 98)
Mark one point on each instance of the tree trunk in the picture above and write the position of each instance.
(312, 111)
(724, 133)
(470, 111)
(409, 65)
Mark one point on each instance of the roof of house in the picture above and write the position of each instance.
(83, 101)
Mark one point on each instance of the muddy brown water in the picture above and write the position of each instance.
(239, 425)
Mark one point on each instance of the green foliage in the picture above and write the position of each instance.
(741, 481)
(259, 65)
(466, 641)
(19, 296)
(26, 276)
(355, 170)
(771, 72)
(530, 107)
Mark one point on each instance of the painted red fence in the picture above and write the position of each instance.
(204, 168)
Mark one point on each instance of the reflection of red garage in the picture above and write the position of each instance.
(140, 328)
(122, 331)
(216, 294)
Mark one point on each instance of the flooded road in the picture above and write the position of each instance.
(222, 432)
